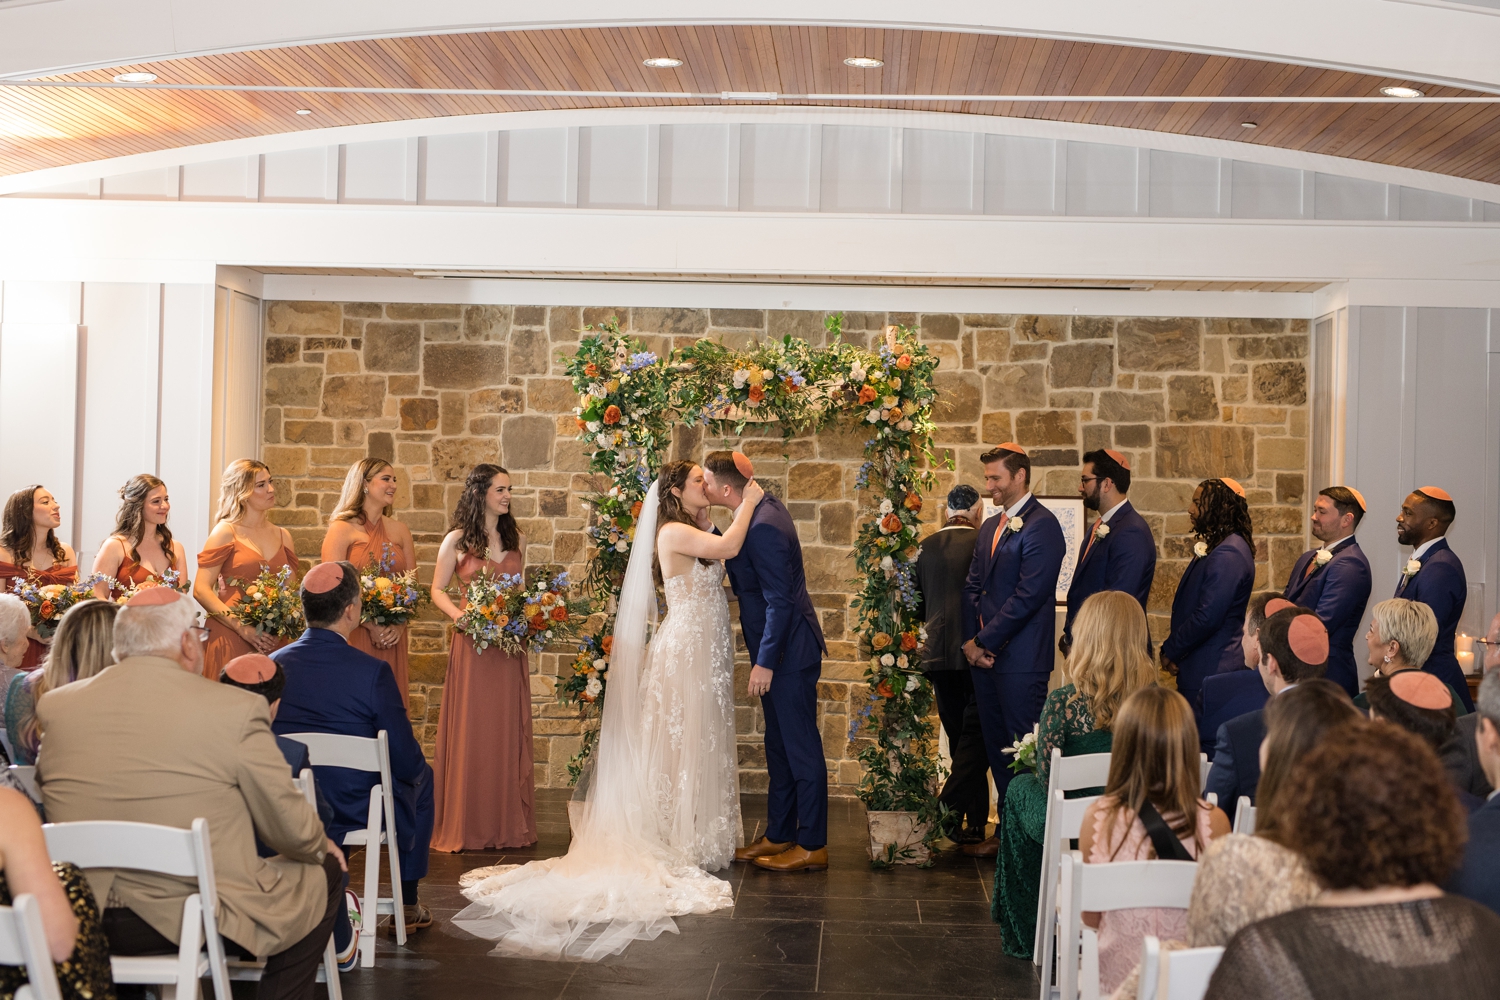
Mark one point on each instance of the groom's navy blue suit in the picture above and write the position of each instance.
(782, 634)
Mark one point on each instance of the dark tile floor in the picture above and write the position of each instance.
(847, 932)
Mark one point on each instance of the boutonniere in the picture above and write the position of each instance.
(1413, 567)
(1322, 557)
(1200, 550)
(1102, 531)
(1014, 524)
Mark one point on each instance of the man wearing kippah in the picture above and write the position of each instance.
(1119, 553)
(941, 568)
(1435, 576)
(1334, 580)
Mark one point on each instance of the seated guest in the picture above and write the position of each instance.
(1472, 777)
(81, 647)
(1108, 663)
(1401, 636)
(148, 740)
(15, 622)
(1478, 877)
(1375, 821)
(70, 919)
(1293, 648)
(1236, 692)
(1422, 705)
(1150, 809)
(331, 687)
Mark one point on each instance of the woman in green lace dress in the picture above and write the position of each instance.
(1108, 663)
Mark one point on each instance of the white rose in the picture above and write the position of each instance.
(1413, 567)
(1200, 550)
(873, 416)
(886, 564)
(902, 661)
(912, 681)
(740, 375)
(904, 425)
(593, 687)
(895, 383)
(1102, 530)
(622, 546)
(599, 664)
(593, 426)
(1015, 524)
(1323, 557)
(888, 660)
(603, 440)
(885, 506)
(857, 372)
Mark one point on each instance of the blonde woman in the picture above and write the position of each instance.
(141, 550)
(362, 531)
(242, 544)
(82, 646)
(1108, 663)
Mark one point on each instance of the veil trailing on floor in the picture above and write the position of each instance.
(619, 881)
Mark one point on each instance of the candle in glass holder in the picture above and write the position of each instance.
(1463, 649)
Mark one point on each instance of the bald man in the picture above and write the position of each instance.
(1435, 576)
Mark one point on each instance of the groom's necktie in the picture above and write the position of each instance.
(999, 530)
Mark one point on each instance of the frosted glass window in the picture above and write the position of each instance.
(1259, 191)
(1347, 198)
(937, 171)
(536, 166)
(1019, 175)
(457, 171)
(1433, 206)
(776, 167)
(1184, 186)
(612, 166)
(695, 166)
(1101, 179)
(856, 169)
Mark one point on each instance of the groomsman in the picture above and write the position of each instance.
(1009, 609)
(1435, 576)
(1334, 580)
(1120, 552)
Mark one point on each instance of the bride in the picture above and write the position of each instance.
(659, 806)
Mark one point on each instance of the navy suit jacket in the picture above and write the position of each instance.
(1478, 878)
(776, 614)
(1236, 769)
(1338, 593)
(1228, 696)
(1441, 585)
(1208, 613)
(1014, 592)
(331, 687)
(1124, 559)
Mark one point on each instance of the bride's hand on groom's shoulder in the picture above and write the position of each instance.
(753, 494)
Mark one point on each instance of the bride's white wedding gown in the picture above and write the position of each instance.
(660, 803)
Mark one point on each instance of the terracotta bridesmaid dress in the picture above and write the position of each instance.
(483, 778)
(133, 573)
(236, 561)
(361, 554)
(36, 651)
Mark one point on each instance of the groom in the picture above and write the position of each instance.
(786, 647)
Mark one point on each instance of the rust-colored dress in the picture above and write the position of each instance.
(133, 573)
(235, 561)
(482, 772)
(36, 651)
(361, 554)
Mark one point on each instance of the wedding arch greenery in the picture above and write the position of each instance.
(629, 400)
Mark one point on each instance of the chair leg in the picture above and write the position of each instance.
(372, 883)
(331, 969)
(398, 905)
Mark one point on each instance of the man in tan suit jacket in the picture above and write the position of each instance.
(151, 740)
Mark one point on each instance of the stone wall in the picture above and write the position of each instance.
(438, 388)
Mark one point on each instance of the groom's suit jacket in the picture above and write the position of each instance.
(781, 629)
(1338, 591)
(1011, 594)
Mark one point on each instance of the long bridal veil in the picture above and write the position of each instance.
(619, 881)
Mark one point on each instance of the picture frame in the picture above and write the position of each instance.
(1070, 517)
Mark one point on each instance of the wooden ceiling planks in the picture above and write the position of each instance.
(1461, 140)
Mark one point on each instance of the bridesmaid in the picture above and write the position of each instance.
(242, 544)
(363, 531)
(142, 549)
(483, 776)
(29, 547)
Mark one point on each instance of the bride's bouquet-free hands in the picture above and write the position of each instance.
(387, 597)
(47, 603)
(270, 603)
(518, 616)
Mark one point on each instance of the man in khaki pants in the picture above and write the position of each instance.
(150, 740)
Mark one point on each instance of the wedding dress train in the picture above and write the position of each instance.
(659, 802)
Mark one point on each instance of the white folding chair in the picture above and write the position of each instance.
(328, 972)
(1065, 774)
(1099, 888)
(360, 753)
(165, 850)
(23, 942)
(1204, 766)
(1175, 975)
(1244, 816)
(26, 775)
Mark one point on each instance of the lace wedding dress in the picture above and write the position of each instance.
(659, 803)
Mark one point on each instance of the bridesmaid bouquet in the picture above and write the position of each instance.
(518, 616)
(387, 597)
(271, 604)
(48, 602)
(171, 578)
(1024, 750)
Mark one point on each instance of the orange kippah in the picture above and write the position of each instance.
(1119, 458)
(1419, 688)
(153, 597)
(1011, 446)
(1239, 490)
(1308, 637)
(250, 668)
(1435, 493)
(1359, 497)
(323, 577)
(1276, 604)
(742, 463)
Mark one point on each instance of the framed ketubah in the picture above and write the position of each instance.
(1069, 514)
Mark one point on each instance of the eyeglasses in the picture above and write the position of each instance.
(1488, 642)
(1085, 480)
(199, 631)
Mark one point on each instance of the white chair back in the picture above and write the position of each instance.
(1065, 774)
(1099, 888)
(1204, 766)
(1185, 973)
(23, 942)
(25, 775)
(1244, 816)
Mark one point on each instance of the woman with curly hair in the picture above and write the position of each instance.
(1374, 820)
(30, 549)
(141, 551)
(483, 788)
(1208, 611)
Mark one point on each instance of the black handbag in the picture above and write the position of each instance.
(1168, 847)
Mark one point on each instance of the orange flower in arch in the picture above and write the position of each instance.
(904, 362)
(890, 524)
(908, 641)
(635, 509)
(884, 690)
(867, 394)
(608, 643)
(912, 502)
(591, 370)
(559, 614)
(612, 414)
(757, 393)
(538, 621)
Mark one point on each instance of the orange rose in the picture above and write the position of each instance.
(612, 414)
(580, 422)
(549, 599)
(757, 393)
(891, 523)
(591, 370)
(908, 641)
(884, 690)
(912, 502)
(46, 609)
(559, 614)
(880, 640)
(537, 622)
(635, 509)
(895, 414)
(607, 642)
(904, 362)
(790, 385)
(867, 394)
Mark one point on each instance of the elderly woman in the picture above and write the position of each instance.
(80, 649)
(15, 621)
(1401, 636)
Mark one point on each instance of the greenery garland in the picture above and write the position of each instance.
(629, 400)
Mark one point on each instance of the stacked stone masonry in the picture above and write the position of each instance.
(435, 389)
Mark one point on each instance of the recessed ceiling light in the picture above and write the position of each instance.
(662, 62)
(303, 111)
(135, 77)
(1400, 92)
(864, 62)
(1248, 125)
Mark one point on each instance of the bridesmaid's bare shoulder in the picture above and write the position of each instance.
(397, 530)
(222, 534)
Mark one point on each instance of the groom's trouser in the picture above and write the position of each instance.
(1009, 705)
(797, 801)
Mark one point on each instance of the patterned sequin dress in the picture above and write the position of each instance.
(84, 975)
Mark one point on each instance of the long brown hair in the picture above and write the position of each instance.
(237, 485)
(674, 475)
(20, 527)
(1154, 756)
(1297, 721)
(468, 516)
(1108, 662)
(130, 521)
(351, 505)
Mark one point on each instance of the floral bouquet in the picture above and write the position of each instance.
(1024, 750)
(270, 604)
(387, 597)
(171, 578)
(48, 602)
(590, 671)
(517, 615)
(774, 382)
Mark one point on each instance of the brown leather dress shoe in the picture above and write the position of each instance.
(984, 849)
(762, 848)
(795, 859)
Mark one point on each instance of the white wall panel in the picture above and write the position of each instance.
(535, 163)
(1183, 185)
(1020, 175)
(380, 172)
(459, 169)
(159, 184)
(699, 166)
(235, 179)
(1433, 206)
(938, 171)
(187, 408)
(780, 167)
(615, 166)
(42, 302)
(857, 169)
(1101, 179)
(301, 175)
(1260, 191)
(1348, 198)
